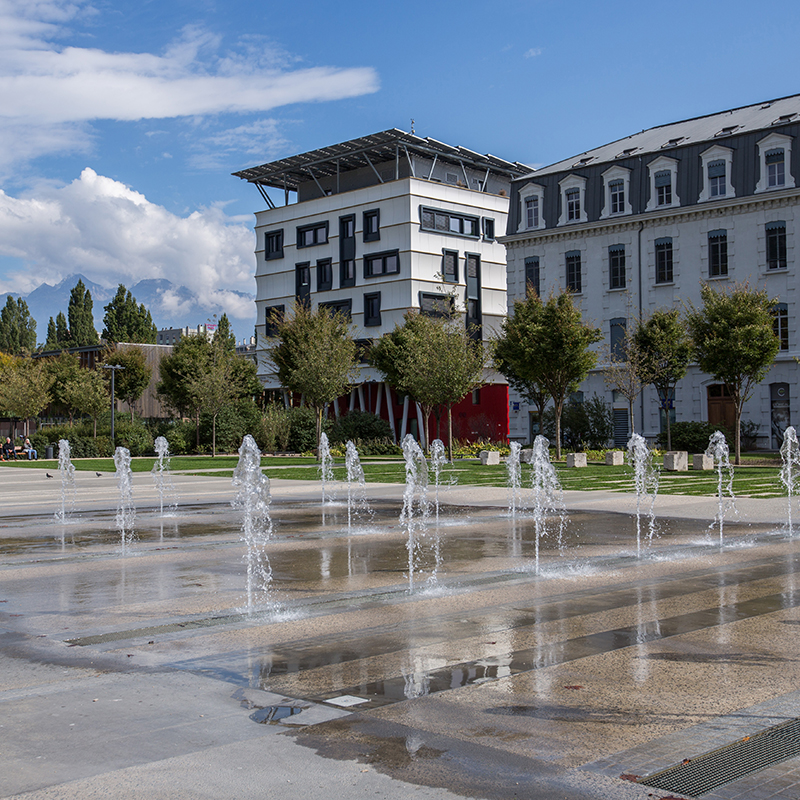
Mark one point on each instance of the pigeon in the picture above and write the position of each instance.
(99, 474)
(48, 475)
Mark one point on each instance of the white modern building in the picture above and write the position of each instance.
(639, 224)
(380, 225)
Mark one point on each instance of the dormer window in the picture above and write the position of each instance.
(616, 197)
(663, 173)
(573, 206)
(774, 157)
(531, 208)
(717, 163)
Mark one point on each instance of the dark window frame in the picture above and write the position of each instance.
(618, 328)
(453, 276)
(776, 245)
(617, 274)
(342, 306)
(271, 253)
(662, 181)
(272, 316)
(718, 254)
(429, 309)
(370, 259)
(372, 313)
(369, 216)
(780, 324)
(488, 229)
(428, 222)
(303, 297)
(665, 265)
(572, 261)
(324, 274)
(533, 275)
(320, 231)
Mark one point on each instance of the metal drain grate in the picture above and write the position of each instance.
(731, 762)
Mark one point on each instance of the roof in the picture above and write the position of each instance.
(767, 114)
(377, 148)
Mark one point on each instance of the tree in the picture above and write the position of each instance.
(17, 328)
(131, 381)
(734, 341)
(315, 355)
(63, 338)
(87, 392)
(125, 321)
(435, 360)
(52, 337)
(663, 351)
(24, 389)
(224, 334)
(546, 345)
(622, 372)
(81, 320)
(63, 369)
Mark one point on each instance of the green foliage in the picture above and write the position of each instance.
(584, 426)
(82, 443)
(734, 341)
(361, 425)
(86, 392)
(130, 381)
(81, 320)
(465, 449)
(691, 436)
(316, 356)
(17, 328)
(233, 422)
(125, 321)
(24, 388)
(303, 435)
(275, 427)
(62, 369)
(544, 347)
(135, 435)
(180, 435)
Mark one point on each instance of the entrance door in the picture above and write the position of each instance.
(721, 408)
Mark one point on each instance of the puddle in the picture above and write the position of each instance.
(272, 714)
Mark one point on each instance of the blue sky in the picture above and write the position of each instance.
(120, 122)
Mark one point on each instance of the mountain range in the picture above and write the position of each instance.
(46, 301)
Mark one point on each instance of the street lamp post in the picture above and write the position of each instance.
(113, 368)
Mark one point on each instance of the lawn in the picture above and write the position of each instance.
(758, 476)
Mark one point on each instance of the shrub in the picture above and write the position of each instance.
(274, 429)
(361, 425)
(464, 449)
(233, 422)
(136, 436)
(303, 434)
(691, 436)
(181, 437)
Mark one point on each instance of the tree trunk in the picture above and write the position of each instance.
(196, 428)
(319, 428)
(450, 434)
(559, 407)
(738, 432)
(630, 416)
(95, 428)
(213, 436)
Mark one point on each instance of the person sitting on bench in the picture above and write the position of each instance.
(9, 451)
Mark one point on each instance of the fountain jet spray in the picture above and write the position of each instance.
(514, 478)
(162, 477)
(66, 470)
(325, 469)
(357, 503)
(790, 470)
(253, 498)
(547, 493)
(126, 511)
(415, 502)
(718, 450)
(645, 480)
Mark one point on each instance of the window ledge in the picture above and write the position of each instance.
(776, 271)
(664, 283)
(618, 289)
(718, 278)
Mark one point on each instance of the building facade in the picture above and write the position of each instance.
(639, 225)
(382, 225)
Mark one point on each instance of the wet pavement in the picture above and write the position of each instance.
(139, 672)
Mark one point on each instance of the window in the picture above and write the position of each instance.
(488, 229)
(532, 275)
(573, 259)
(302, 283)
(273, 245)
(716, 178)
(435, 305)
(532, 212)
(780, 324)
(663, 184)
(435, 219)
(616, 266)
(774, 156)
(717, 253)
(450, 266)
(376, 264)
(347, 251)
(663, 260)
(324, 274)
(372, 309)
(573, 191)
(617, 191)
(310, 235)
(776, 172)
(273, 316)
(776, 245)
(343, 307)
(617, 338)
(372, 225)
(717, 171)
(663, 176)
(474, 319)
(573, 198)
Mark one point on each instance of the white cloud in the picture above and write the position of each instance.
(533, 52)
(261, 140)
(112, 234)
(61, 89)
